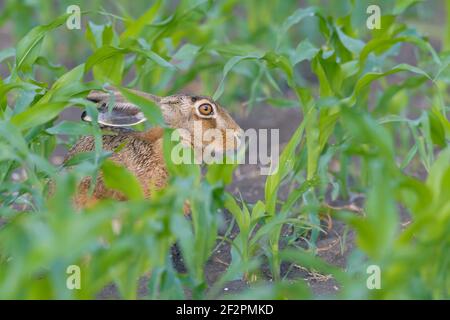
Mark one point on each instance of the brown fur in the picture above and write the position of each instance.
(141, 154)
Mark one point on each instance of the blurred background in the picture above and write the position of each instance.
(206, 31)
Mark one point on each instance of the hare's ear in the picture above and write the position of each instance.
(113, 94)
(122, 114)
(102, 96)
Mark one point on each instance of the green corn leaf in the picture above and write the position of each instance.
(37, 115)
(28, 49)
(294, 19)
(148, 107)
(118, 178)
(227, 68)
(71, 128)
(304, 51)
(134, 29)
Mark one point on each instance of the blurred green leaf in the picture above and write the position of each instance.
(28, 49)
(70, 128)
(37, 115)
(304, 51)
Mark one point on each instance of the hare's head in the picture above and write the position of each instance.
(200, 121)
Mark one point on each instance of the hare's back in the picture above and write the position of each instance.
(87, 144)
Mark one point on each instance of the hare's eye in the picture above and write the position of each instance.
(206, 109)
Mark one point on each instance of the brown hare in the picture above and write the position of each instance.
(141, 151)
